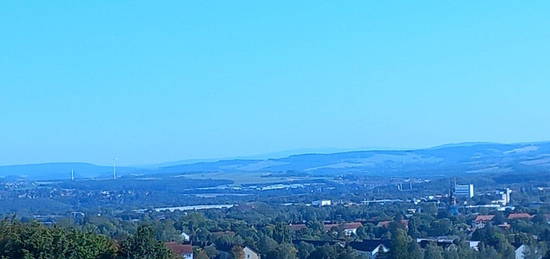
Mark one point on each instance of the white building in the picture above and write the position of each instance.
(370, 249)
(321, 203)
(185, 237)
(464, 190)
(521, 251)
(250, 254)
(505, 196)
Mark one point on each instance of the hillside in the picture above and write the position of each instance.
(455, 159)
(443, 160)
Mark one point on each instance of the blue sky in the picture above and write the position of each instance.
(154, 81)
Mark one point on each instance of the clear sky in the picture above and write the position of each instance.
(155, 81)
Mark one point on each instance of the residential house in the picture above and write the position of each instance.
(321, 203)
(446, 242)
(249, 253)
(185, 251)
(525, 251)
(347, 228)
(481, 220)
(474, 245)
(184, 237)
(371, 249)
(504, 226)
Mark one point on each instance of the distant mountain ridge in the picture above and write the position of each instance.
(451, 159)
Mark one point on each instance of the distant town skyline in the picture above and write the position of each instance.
(149, 83)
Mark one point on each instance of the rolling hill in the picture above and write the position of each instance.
(454, 159)
(466, 158)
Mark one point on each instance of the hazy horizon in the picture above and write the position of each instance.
(272, 155)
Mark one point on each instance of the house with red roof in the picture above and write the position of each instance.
(504, 226)
(185, 251)
(484, 218)
(348, 228)
(481, 220)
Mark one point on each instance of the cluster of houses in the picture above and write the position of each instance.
(482, 220)
(371, 248)
(366, 248)
(348, 228)
(184, 249)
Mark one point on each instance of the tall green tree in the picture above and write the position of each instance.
(399, 244)
(433, 252)
(143, 245)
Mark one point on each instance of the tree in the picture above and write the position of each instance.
(201, 255)
(286, 251)
(267, 244)
(440, 227)
(32, 240)
(399, 245)
(499, 218)
(211, 251)
(324, 252)
(488, 252)
(433, 252)
(143, 245)
(414, 251)
(282, 233)
(237, 252)
(304, 249)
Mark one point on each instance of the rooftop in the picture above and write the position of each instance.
(178, 248)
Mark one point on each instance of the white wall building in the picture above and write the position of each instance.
(185, 237)
(250, 254)
(321, 203)
(464, 190)
(505, 196)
